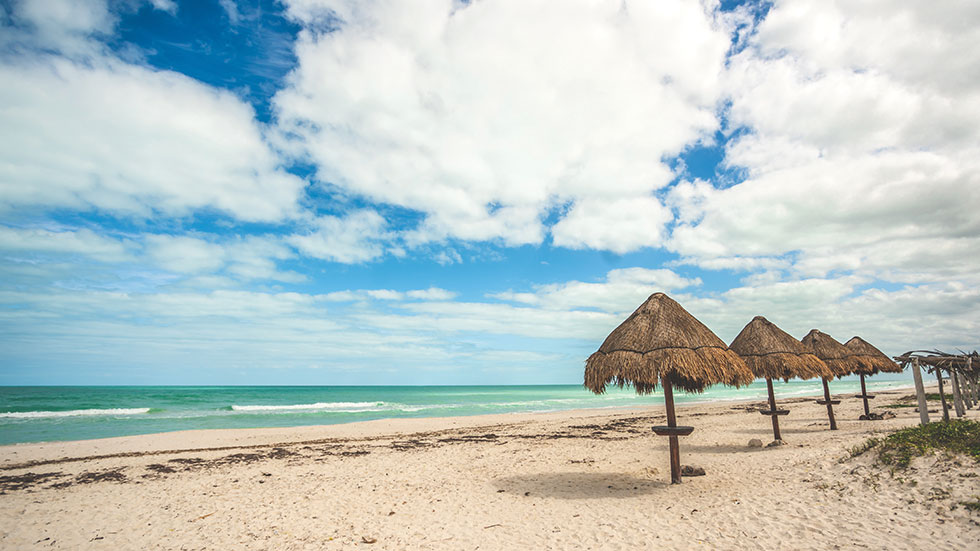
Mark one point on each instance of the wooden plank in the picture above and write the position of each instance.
(920, 393)
(679, 430)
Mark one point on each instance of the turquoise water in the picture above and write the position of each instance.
(38, 414)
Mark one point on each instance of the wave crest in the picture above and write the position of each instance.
(72, 413)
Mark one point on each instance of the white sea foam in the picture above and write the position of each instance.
(319, 406)
(72, 413)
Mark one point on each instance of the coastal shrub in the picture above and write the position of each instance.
(899, 448)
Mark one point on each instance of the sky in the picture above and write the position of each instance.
(336, 192)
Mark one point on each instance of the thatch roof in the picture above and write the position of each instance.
(868, 359)
(662, 340)
(830, 351)
(773, 353)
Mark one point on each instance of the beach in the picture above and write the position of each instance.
(584, 479)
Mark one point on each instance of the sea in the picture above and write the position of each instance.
(59, 413)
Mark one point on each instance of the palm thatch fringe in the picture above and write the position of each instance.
(830, 351)
(687, 368)
(661, 340)
(868, 359)
(781, 365)
(773, 353)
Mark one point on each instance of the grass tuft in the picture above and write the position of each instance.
(899, 448)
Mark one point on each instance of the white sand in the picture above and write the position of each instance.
(542, 481)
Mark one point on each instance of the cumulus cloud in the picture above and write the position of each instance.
(85, 130)
(486, 116)
(354, 238)
(861, 144)
(622, 290)
(72, 242)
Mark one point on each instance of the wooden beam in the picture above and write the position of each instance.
(830, 405)
(772, 407)
(957, 395)
(864, 395)
(920, 392)
(675, 452)
(942, 395)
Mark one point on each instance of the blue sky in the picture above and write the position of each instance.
(336, 192)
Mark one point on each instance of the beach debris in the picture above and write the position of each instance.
(662, 344)
(26, 480)
(369, 539)
(874, 416)
(755, 443)
(108, 475)
(775, 444)
(203, 516)
(692, 470)
(496, 525)
(773, 353)
(159, 468)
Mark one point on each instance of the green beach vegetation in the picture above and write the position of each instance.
(899, 448)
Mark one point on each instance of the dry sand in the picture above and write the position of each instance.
(570, 480)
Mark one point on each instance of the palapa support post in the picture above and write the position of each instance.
(920, 393)
(675, 449)
(957, 395)
(864, 395)
(830, 405)
(773, 413)
(942, 395)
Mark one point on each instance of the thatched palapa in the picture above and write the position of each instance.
(834, 355)
(830, 351)
(773, 353)
(662, 344)
(662, 341)
(867, 359)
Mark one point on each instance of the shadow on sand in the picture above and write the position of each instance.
(579, 485)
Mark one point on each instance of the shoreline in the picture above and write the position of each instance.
(488, 417)
(559, 480)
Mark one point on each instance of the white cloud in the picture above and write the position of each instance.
(862, 145)
(432, 293)
(82, 242)
(100, 133)
(623, 290)
(354, 238)
(486, 116)
(619, 225)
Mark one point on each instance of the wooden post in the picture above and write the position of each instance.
(675, 452)
(965, 391)
(772, 407)
(957, 395)
(942, 396)
(830, 407)
(864, 395)
(920, 392)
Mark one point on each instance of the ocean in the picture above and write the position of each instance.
(52, 413)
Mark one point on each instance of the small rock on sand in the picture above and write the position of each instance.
(755, 443)
(691, 470)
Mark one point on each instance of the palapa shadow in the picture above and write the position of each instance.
(578, 485)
